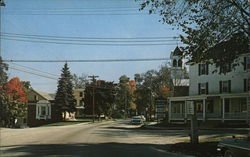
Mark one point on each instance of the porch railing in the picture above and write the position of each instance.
(228, 115)
(177, 115)
(213, 115)
(236, 115)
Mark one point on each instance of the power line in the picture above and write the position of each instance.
(86, 10)
(79, 14)
(103, 38)
(91, 60)
(35, 69)
(90, 40)
(73, 8)
(88, 44)
(32, 73)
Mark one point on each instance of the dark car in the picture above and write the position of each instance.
(234, 148)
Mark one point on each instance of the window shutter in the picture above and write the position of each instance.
(229, 86)
(199, 88)
(245, 85)
(220, 86)
(199, 69)
(245, 63)
(207, 69)
(207, 88)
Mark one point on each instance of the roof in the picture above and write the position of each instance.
(181, 82)
(177, 52)
(46, 96)
(201, 97)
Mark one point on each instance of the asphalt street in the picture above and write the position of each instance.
(106, 139)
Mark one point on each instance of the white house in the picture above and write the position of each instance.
(216, 96)
(79, 96)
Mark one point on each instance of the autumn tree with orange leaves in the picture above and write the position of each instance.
(13, 99)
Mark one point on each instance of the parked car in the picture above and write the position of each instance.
(234, 148)
(143, 118)
(136, 120)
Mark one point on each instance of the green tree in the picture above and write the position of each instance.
(123, 96)
(104, 98)
(64, 95)
(151, 85)
(79, 81)
(14, 101)
(206, 24)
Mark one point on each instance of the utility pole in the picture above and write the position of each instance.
(125, 104)
(93, 92)
(2, 4)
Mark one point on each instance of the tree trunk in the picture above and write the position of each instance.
(64, 116)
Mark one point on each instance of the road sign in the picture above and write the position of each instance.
(161, 108)
(190, 107)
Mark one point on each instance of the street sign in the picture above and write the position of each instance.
(190, 107)
(161, 108)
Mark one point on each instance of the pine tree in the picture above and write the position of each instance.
(64, 95)
(3, 74)
(3, 98)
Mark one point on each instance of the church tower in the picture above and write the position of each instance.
(177, 65)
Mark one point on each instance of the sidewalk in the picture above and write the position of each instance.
(153, 127)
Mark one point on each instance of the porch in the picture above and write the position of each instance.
(210, 107)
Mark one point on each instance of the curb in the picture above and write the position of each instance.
(214, 129)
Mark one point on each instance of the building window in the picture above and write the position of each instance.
(247, 63)
(43, 111)
(210, 106)
(203, 69)
(35, 97)
(81, 103)
(243, 105)
(225, 86)
(227, 105)
(81, 94)
(174, 63)
(225, 68)
(203, 88)
(246, 85)
(179, 63)
(199, 107)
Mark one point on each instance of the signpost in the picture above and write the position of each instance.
(190, 107)
(161, 108)
(194, 123)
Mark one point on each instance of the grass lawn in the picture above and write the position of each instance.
(78, 121)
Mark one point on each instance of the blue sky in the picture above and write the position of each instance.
(16, 18)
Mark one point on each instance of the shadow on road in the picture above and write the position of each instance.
(89, 150)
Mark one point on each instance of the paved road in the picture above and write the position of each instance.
(106, 139)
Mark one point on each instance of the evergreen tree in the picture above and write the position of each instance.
(64, 95)
(3, 98)
(3, 74)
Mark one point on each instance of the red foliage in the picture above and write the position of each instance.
(132, 85)
(164, 89)
(14, 90)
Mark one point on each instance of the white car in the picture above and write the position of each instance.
(136, 120)
(143, 118)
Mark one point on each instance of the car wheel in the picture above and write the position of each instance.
(228, 153)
